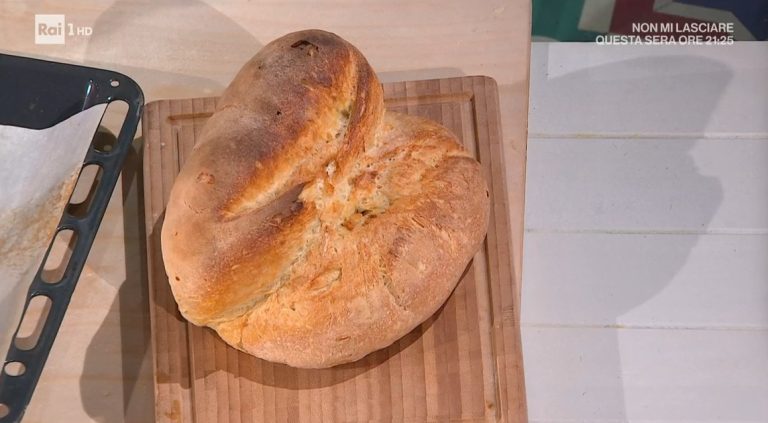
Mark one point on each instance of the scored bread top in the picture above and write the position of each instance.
(308, 226)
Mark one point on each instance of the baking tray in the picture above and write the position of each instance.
(38, 94)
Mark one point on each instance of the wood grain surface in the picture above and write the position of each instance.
(463, 364)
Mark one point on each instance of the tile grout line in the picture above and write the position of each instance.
(715, 136)
(534, 325)
(712, 231)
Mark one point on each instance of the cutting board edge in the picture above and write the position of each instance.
(156, 105)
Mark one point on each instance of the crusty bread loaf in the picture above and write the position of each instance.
(308, 226)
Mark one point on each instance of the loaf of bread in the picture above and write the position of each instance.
(308, 226)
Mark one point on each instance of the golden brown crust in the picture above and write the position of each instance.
(308, 227)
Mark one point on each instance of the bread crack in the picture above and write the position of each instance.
(253, 199)
(282, 280)
(323, 282)
(396, 300)
(310, 48)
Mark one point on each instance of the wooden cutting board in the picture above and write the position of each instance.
(463, 365)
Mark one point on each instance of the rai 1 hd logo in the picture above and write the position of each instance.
(53, 29)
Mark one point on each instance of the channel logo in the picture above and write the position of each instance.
(49, 29)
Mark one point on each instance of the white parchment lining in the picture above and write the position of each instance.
(38, 171)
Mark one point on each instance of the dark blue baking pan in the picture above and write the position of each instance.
(38, 94)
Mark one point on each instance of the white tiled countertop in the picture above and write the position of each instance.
(645, 276)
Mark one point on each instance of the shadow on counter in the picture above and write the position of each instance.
(117, 45)
(587, 359)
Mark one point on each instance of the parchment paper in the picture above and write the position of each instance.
(38, 171)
